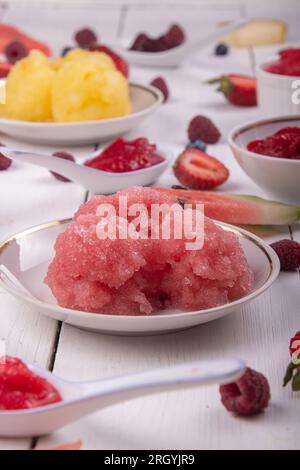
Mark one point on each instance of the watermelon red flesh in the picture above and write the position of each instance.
(238, 209)
(9, 33)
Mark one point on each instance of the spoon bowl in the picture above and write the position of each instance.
(174, 57)
(96, 181)
(83, 398)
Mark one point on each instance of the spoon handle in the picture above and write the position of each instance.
(111, 391)
(216, 33)
(65, 168)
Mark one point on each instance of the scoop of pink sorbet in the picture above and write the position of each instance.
(137, 277)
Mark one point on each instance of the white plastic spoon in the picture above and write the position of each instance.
(96, 181)
(81, 399)
(174, 57)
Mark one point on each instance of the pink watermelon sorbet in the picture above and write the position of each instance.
(141, 277)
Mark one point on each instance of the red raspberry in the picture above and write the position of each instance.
(174, 36)
(86, 38)
(5, 162)
(288, 252)
(65, 156)
(156, 45)
(249, 395)
(160, 83)
(202, 128)
(15, 51)
(139, 43)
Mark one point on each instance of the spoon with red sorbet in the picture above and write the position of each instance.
(34, 401)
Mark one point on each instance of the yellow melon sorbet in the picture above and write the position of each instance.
(82, 86)
(29, 89)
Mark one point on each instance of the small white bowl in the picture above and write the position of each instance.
(276, 93)
(279, 177)
(144, 100)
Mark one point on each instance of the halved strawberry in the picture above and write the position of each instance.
(4, 69)
(239, 90)
(120, 63)
(198, 170)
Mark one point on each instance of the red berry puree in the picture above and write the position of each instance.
(21, 389)
(122, 156)
(288, 63)
(285, 143)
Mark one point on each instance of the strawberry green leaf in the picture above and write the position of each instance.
(296, 382)
(289, 373)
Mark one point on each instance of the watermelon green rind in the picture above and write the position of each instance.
(238, 209)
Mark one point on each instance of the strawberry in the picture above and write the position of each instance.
(120, 63)
(198, 170)
(4, 69)
(239, 90)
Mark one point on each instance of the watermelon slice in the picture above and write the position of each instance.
(67, 446)
(5, 68)
(10, 33)
(238, 209)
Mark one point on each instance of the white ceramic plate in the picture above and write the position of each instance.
(28, 254)
(144, 99)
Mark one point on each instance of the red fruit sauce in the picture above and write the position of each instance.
(122, 156)
(288, 63)
(285, 143)
(21, 389)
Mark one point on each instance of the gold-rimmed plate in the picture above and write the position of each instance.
(28, 254)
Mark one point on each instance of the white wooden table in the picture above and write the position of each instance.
(259, 334)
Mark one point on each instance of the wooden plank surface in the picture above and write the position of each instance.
(259, 334)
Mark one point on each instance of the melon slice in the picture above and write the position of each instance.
(9, 33)
(238, 209)
(258, 33)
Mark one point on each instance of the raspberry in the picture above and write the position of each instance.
(175, 36)
(5, 162)
(86, 38)
(15, 51)
(156, 45)
(139, 42)
(288, 252)
(249, 395)
(65, 156)
(160, 83)
(172, 38)
(202, 128)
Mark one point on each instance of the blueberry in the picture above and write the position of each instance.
(197, 144)
(66, 50)
(221, 49)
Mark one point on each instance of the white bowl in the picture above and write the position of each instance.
(29, 267)
(276, 93)
(280, 177)
(144, 99)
